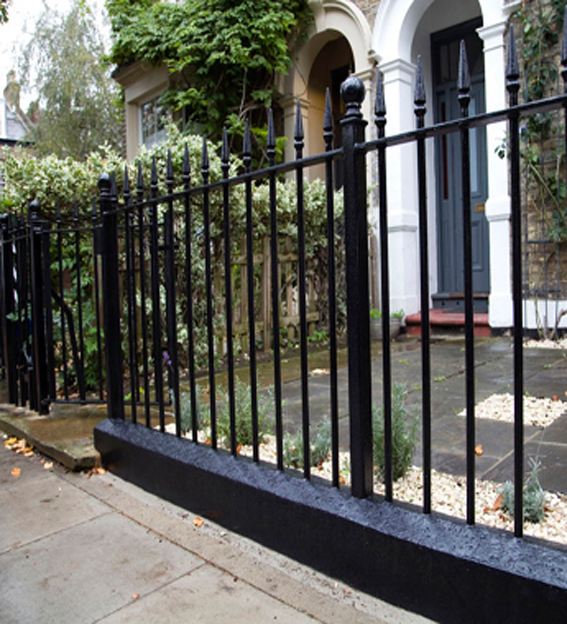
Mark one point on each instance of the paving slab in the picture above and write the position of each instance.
(83, 547)
(87, 571)
(208, 595)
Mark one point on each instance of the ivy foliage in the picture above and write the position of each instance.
(224, 54)
(540, 28)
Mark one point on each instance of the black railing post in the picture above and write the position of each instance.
(380, 118)
(513, 86)
(111, 301)
(39, 394)
(420, 110)
(328, 136)
(358, 304)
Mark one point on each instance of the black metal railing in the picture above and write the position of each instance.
(51, 309)
(150, 245)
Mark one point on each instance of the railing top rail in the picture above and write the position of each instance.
(257, 174)
(475, 121)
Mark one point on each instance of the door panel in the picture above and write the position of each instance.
(450, 196)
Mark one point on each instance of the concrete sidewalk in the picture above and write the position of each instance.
(76, 548)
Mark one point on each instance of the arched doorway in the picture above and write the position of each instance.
(331, 67)
(339, 41)
(403, 30)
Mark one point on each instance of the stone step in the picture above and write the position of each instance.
(442, 322)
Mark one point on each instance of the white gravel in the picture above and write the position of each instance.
(537, 412)
(448, 491)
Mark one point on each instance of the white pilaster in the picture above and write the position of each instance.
(498, 202)
(399, 77)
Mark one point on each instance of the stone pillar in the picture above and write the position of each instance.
(399, 78)
(498, 202)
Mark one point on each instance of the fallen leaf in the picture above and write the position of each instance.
(16, 472)
(209, 442)
(100, 471)
(198, 522)
(135, 596)
(48, 465)
(319, 371)
(19, 446)
(238, 449)
(478, 449)
(498, 503)
(555, 397)
(347, 591)
(29, 453)
(12, 441)
(342, 480)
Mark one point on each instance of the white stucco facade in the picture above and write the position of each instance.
(401, 33)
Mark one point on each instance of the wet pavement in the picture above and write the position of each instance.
(76, 547)
(66, 433)
(89, 547)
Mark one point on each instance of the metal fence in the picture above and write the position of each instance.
(51, 309)
(143, 281)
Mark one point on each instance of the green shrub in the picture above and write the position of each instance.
(243, 414)
(534, 496)
(404, 435)
(319, 449)
(186, 416)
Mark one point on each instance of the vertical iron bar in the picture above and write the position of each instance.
(225, 162)
(331, 287)
(130, 295)
(274, 244)
(48, 311)
(40, 390)
(26, 372)
(143, 313)
(62, 295)
(170, 280)
(513, 86)
(464, 100)
(155, 291)
(298, 144)
(247, 159)
(358, 304)
(80, 362)
(96, 252)
(420, 111)
(209, 285)
(111, 301)
(189, 290)
(380, 119)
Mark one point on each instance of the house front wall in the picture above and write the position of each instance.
(400, 31)
(141, 83)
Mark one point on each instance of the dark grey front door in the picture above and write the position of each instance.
(448, 166)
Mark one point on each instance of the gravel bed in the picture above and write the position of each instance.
(546, 344)
(537, 412)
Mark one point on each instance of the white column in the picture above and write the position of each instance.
(498, 202)
(399, 78)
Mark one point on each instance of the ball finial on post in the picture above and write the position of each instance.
(352, 94)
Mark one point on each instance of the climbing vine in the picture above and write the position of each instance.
(540, 27)
(223, 55)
